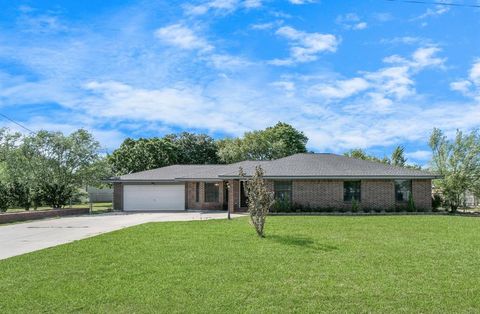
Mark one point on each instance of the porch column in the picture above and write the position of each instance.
(231, 201)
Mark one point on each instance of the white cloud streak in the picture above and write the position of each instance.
(305, 47)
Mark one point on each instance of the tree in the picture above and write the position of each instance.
(259, 199)
(4, 197)
(458, 162)
(274, 142)
(398, 157)
(194, 148)
(361, 154)
(143, 154)
(62, 164)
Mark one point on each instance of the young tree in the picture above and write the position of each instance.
(259, 199)
(458, 162)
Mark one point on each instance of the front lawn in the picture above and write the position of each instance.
(305, 264)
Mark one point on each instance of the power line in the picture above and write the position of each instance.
(451, 4)
(17, 123)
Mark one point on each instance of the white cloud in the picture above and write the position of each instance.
(461, 86)
(469, 87)
(351, 21)
(423, 57)
(437, 11)
(407, 40)
(340, 89)
(221, 6)
(181, 36)
(252, 3)
(422, 155)
(360, 26)
(301, 1)
(267, 25)
(383, 86)
(475, 73)
(305, 47)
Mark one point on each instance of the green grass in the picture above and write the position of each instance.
(305, 264)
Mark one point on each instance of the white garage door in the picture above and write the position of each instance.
(154, 197)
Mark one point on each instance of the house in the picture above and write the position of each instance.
(316, 180)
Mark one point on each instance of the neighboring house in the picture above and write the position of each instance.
(316, 180)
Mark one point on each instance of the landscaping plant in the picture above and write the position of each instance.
(259, 199)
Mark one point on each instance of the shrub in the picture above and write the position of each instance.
(366, 209)
(354, 206)
(283, 206)
(20, 195)
(4, 198)
(436, 202)
(411, 204)
(390, 209)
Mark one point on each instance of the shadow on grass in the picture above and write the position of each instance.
(300, 241)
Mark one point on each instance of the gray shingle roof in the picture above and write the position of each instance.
(331, 166)
(295, 166)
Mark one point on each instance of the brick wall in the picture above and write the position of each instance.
(318, 193)
(378, 194)
(201, 204)
(374, 193)
(422, 193)
(118, 196)
(41, 214)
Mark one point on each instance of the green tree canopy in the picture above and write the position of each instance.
(397, 158)
(274, 142)
(49, 167)
(143, 154)
(458, 161)
(194, 148)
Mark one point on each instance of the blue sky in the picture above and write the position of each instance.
(371, 74)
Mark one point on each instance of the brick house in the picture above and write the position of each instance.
(314, 180)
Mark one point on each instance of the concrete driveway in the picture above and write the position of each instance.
(21, 238)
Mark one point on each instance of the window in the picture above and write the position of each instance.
(211, 192)
(197, 192)
(403, 189)
(352, 191)
(283, 190)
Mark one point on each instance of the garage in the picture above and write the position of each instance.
(154, 197)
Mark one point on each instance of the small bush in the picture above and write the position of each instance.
(411, 204)
(390, 209)
(282, 206)
(355, 206)
(436, 202)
